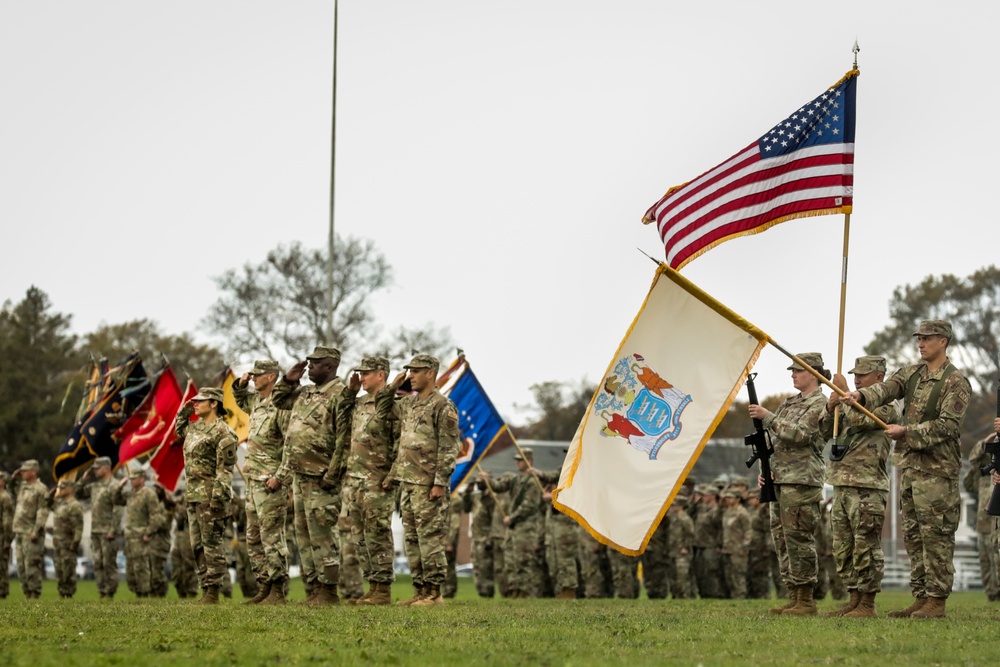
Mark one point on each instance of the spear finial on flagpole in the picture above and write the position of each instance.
(856, 49)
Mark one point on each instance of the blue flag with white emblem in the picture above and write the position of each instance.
(480, 424)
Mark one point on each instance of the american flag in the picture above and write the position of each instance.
(803, 166)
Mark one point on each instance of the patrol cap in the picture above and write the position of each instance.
(138, 472)
(814, 359)
(529, 455)
(373, 364)
(64, 484)
(262, 366)
(934, 328)
(730, 492)
(424, 361)
(208, 394)
(102, 461)
(868, 364)
(30, 464)
(325, 352)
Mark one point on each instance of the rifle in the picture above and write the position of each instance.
(760, 441)
(993, 449)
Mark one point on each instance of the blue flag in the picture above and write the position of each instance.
(480, 424)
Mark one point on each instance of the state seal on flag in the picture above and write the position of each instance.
(639, 405)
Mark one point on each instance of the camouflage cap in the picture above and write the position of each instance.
(529, 455)
(424, 361)
(708, 490)
(262, 366)
(934, 328)
(373, 364)
(730, 492)
(870, 363)
(30, 464)
(325, 352)
(814, 359)
(208, 394)
(102, 461)
(138, 472)
(64, 484)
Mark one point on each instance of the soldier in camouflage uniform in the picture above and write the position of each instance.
(656, 562)
(266, 498)
(245, 577)
(144, 516)
(498, 531)
(798, 469)
(762, 561)
(858, 473)
(209, 456)
(374, 426)
(479, 505)
(30, 514)
(98, 485)
(525, 524)
(827, 578)
(428, 446)
(6, 534)
(314, 461)
(936, 397)
(981, 487)
(450, 585)
(735, 543)
(159, 546)
(185, 571)
(67, 531)
(624, 574)
(708, 543)
(680, 547)
(562, 537)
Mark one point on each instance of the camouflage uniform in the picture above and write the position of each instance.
(797, 465)
(144, 515)
(707, 544)
(595, 569)
(735, 543)
(209, 455)
(762, 561)
(479, 505)
(374, 424)
(624, 574)
(67, 531)
(930, 462)
(680, 550)
(314, 461)
(267, 546)
(105, 530)
(450, 586)
(498, 533)
(30, 514)
(245, 576)
(562, 537)
(981, 487)
(182, 557)
(159, 548)
(352, 576)
(827, 578)
(860, 489)
(6, 535)
(524, 534)
(656, 562)
(429, 443)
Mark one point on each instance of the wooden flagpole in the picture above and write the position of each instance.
(843, 308)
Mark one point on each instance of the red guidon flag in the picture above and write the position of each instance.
(149, 425)
(168, 460)
(804, 166)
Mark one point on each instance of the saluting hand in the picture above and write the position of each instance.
(296, 372)
(398, 381)
(354, 382)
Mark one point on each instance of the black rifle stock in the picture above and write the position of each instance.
(993, 449)
(760, 442)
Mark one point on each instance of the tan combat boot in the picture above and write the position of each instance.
(793, 594)
(263, 590)
(865, 608)
(211, 595)
(432, 597)
(379, 594)
(851, 604)
(277, 594)
(933, 608)
(805, 605)
(567, 594)
(327, 595)
(418, 594)
(918, 603)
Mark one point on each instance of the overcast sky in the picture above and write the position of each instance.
(146, 147)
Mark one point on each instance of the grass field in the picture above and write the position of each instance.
(470, 631)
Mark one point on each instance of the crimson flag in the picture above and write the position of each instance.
(150, 424)
(168, 460)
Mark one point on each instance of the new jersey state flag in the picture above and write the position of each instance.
(681, 364)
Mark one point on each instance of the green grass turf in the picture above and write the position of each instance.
(470, 631)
